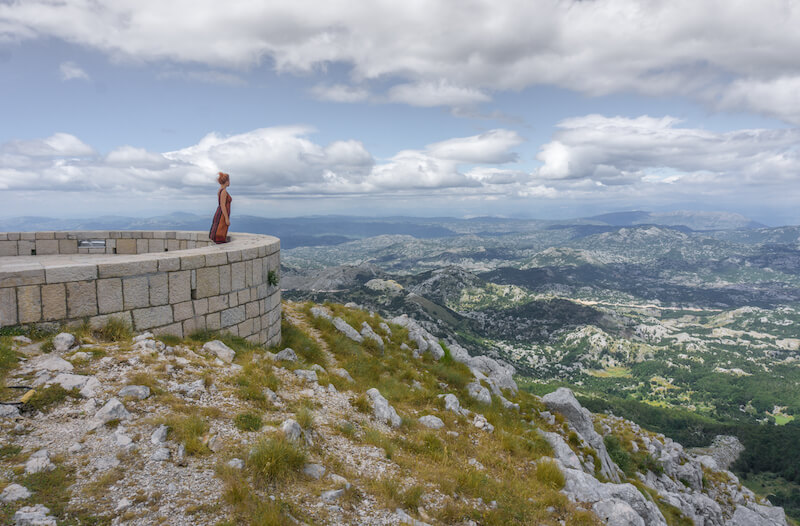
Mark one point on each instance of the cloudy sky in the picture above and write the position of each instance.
(545, 108)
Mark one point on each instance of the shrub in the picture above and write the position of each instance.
(45, 398)
(248, 421)
(275, 459)
(115, 330)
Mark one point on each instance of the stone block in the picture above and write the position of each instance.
(207, 282)
(142, 246)
(238, 276)
(173, 245)
(98, 322)
(213, 321)
(274, 300)
(54, 302)
(155, 245)
(126, 246)
(136, 292)
(159, 289)
(192, 262)
(234, 256)
(8, 307)
(81, 299)
(28, 236)
(224, 279)
(232, 316)
(174, 329)
(182, 311)
(13, 236)
(216, 259)
(233, 299)
(201, 306)
(248, 273)
(109, 295)
(46, 247)
(16, 278)
(152, 317)
(251, 309)
(169, 264)
(25, 247)
(8, 248)
(246, 328)
(243, 296)
(70, 273)
(44, 235)
(198, 323)
(249, 253)
(127, 268)
(29, 304)
(262, 291)
(180, 286)
(67, 246)
(218, 303)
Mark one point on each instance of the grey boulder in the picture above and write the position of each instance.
(220, 350)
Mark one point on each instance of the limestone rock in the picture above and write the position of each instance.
(405, 518)
(292, 430)
(53, 363)
(113, 410)
(321, 312)
(287, 355)
(561, 449)
(385, 328)
(38, 462)
(63, 342)
(306, 374)
(8, 411)
(748, 516)
(475, 464)
(139, 392)
(37, 515)
(14, 492)
(481, 423)
(615, 512)
(161, 454)
(159, 436)
(563, 401)
(342, 373)
(236, 463)
(122, 504)
(369, 334)
(431, 422)
(315, 471)
(480, 393)
(332, 495)
(220, 350)
(451, 403)
(382, 410)
(345, 328)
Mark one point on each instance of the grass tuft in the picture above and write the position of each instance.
(549, 474)
(115, 330)
(189, 430)
(248, 421)
(273, 460)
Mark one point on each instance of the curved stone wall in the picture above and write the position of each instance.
(165, 282)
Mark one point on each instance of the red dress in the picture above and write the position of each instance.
(219, 230)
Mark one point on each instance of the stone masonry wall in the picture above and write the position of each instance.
(165, 282)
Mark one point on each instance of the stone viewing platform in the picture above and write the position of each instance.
(167, 282)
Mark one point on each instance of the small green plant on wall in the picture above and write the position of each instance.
(272, 278)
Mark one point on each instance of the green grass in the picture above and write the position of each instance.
(275, 460)
(115, 330)
(189, 430)
(305, 347)
(44, 399)
(252, 381)
(248, 421)
(782, 420)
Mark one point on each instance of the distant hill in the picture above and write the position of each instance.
(686, 218)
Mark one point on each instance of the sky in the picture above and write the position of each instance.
(529, 108)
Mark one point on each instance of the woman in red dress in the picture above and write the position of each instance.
(222, 218)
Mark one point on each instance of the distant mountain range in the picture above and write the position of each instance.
(334, 230)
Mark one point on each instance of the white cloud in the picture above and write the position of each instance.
(450, 53)
(206, 77)
(492, 147)
(779, 97)
(427, 94)
(57, 145)
(340, 93)
(623, 151)
(71, 71)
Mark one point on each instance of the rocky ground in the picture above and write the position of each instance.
(351, 420)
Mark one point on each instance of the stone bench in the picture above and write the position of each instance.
(167, 282)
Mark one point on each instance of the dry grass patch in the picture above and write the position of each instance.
(275, 460)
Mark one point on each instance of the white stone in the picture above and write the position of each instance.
(159, 436)
(220, 350)
(292, 430)
(136, 391)
(315, 471)
(113, 410)
(53, 363)
(342, 373)
(38, 464)
(8, 411)
(306, 374)
(14, 492)
(382, 410)
(287, 354)
(431, 422)
(475, 464)
(161, 454)
(37, 515)
(346, 329)
(481, 423)
(63, 342)
(480, 393)
(236, 463)
(122, 504)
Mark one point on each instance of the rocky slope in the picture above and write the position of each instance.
(351, 420)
